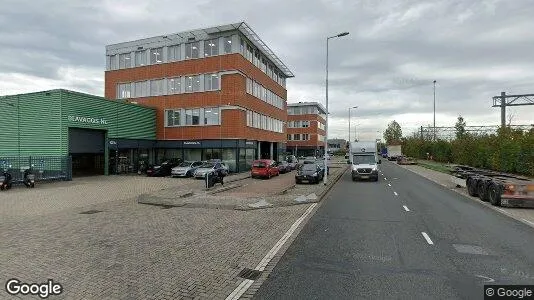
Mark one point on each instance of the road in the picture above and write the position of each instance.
(403, 237)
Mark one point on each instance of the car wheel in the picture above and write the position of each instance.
(494, 194)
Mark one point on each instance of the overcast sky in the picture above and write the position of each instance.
(385, 66)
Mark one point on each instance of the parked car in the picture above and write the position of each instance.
(224, 165)
(292, 161)
(164, 169)
(311, 173)
(186, 169)
(320, 163)
(209, 167)
(283, 167)
(306, 160)
(265, 168)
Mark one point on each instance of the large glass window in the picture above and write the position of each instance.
(192, 116)
(242, 46)
(173, 53)
(141, 89)
(173, 117)
(250, 52)
(124, 61)
(140, 58)
(211, 82)
(249, 86)
(156, 56)
(227, 44)
(263, 65)
(192, 83)
(156, 87)
(192, 50)
(289, 137)
(249, 118)
(125, 90)
(211, 116)
(305, 137)
(192, 154)
(174, 86)
(264, 122)
(256, 120)
(211, 47)
(296, 137)
(229, 157)
(257, 58)
(113, 62)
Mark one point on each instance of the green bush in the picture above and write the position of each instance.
(507, 151)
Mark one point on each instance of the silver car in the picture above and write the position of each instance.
(186, 169)
(209, 167)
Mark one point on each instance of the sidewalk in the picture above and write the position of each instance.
(524, 215)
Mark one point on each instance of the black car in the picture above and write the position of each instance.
(311, 173)
(321, 164)
(283, 167)
(164, 169)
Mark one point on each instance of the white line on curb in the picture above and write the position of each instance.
(395, 193)
(405, 208)
(502, 210)
(240, 290)
(245, 284)
(427, 238)
(529, 222)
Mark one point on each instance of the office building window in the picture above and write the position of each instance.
(113, 62)
(289, 137)
(211, 116)
(211, 47)
(192, 116)
(140, 58)
(124, 61)
(211, 82)
(173, 53)
(227, 44)
(257, 58)
(250, 53)
(264, 122)
(264, 65)
(125, 90)
(191, 50)
(305, 137)
(305, 124)
(173, 117)
(156, 87)
(174, 86)
(192, 83)
(141, 89)
(242, 47)
(256, 120)
(296, 136)
(156, 56)
(249, 86)
(249, 118)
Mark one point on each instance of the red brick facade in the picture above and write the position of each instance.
(230, 98)
(313, 131)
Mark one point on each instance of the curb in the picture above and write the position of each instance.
(223, 189)
(285, 190)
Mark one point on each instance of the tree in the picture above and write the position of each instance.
(393, 133)
(460, 127)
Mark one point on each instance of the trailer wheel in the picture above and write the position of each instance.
(472, 187)
(482, 190)
(494, 194)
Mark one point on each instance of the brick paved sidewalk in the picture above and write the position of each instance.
(525, 215)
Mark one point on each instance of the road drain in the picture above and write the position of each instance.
(90, 212)
(249, 274)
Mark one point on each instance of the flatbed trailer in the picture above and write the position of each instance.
(500, 189)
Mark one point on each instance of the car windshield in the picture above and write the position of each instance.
(364, 159)
(185, 164)
(309, 167)
(259, 164)
(207, 166)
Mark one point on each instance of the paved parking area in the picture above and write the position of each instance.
(126, 250)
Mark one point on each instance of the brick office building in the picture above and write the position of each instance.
(306, 128)
(220, 92)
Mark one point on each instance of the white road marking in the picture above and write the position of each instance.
(240, 290)
(385, 178)
(395, 193)
(245, 284)
(389, 184)
(486, 279)
(501, 209)
(529, 222)
(405, 208)
(427, 238)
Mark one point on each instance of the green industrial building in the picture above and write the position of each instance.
(91, 131)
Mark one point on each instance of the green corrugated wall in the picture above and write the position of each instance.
(44, 121)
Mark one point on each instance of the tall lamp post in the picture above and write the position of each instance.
(327, 112)
(434, 110)
(349, 121)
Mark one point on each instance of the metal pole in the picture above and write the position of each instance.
(434, 110)
(503, 109)
(349, 124)
(325, 179)
(18, 125)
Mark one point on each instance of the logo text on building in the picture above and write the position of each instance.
(88, 120)
(191, 143)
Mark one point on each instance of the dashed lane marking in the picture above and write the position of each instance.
(427, 238)
(405, 208)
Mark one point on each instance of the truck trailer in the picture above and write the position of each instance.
(364, 160)
(394, 151)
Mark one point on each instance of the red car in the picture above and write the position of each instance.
(265, 168)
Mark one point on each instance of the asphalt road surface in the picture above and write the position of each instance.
(403, 237)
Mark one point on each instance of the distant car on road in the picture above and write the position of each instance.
(265, 168)
(210, 167)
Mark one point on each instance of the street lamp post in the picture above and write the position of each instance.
(434, 110)
(327, 112)
(349, 122)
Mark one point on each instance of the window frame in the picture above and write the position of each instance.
(189, 50)
(159, 54)
(211, 51)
